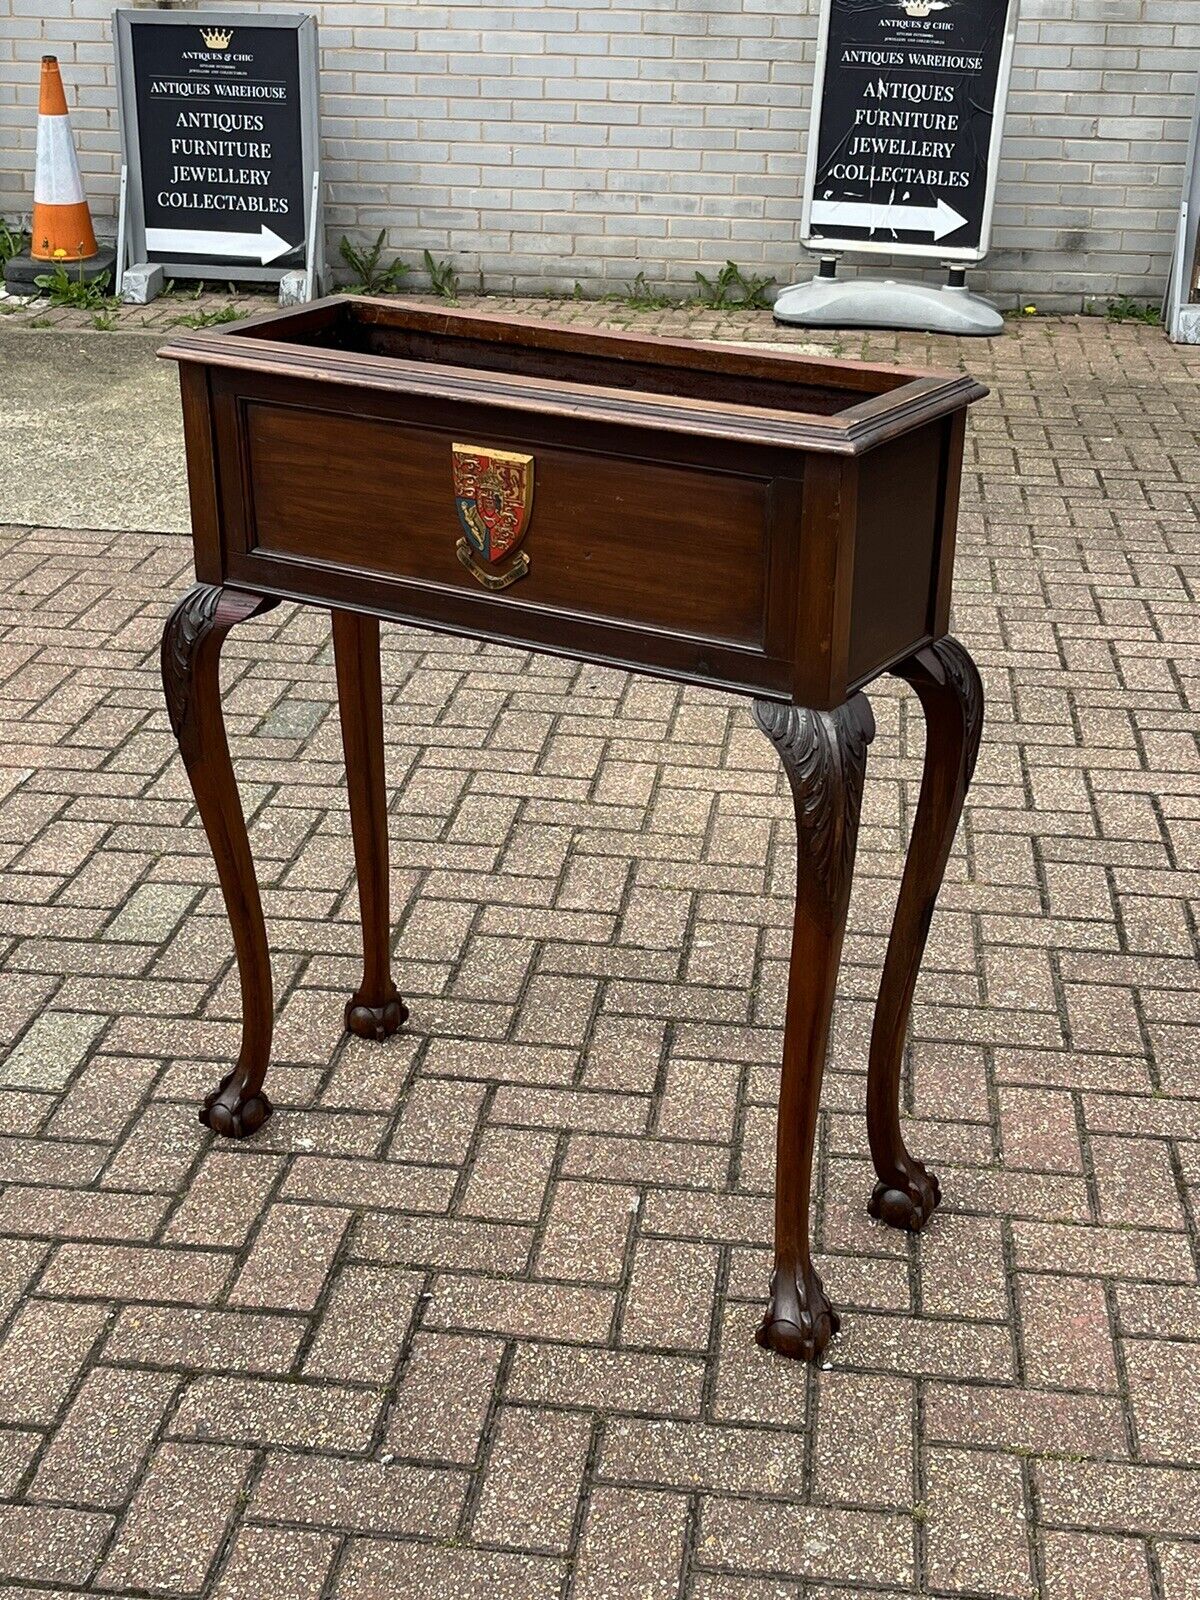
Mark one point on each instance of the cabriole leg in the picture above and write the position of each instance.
(375, 1010)
(191, 652)
(947, 684)
(825, 755)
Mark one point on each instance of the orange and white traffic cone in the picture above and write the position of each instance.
(62, 224)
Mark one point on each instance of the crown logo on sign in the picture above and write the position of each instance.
(922, 8)
(218, 38)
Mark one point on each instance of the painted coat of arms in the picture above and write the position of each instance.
(493, 491)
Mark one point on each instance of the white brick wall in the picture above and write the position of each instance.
(542, 145)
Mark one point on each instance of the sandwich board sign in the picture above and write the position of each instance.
(904, 141)
(1183, 287)
(218, 115)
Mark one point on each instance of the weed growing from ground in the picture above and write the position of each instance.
(13, 240)
(734, 290)
(372, 274)
(443, 279)
(208, 319)
(1126, 309)
(61, 289)
(639, 296)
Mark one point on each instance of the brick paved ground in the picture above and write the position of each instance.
(473, 1317)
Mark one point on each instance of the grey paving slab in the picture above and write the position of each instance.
(474, 1314)
(92, 431)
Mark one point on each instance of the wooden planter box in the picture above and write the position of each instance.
(766, 523)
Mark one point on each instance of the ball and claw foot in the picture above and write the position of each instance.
(909, 1201)
(800, 1321)
(375, 1022)
(233, 1116)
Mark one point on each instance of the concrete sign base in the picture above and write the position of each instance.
(304, 284)
(141, 283)
(884, 303)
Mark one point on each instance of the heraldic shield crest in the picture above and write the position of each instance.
(493, 490)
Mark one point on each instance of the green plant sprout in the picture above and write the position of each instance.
(641, 297)
(13, 240)
(443, 279)
(734, 290)
(61, 289)
(372, 274)
(1126, 309)
(208, 319)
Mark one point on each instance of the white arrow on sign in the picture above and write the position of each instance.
(938, 220)
(263, 246)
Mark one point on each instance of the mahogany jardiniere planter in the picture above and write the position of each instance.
(767, 524)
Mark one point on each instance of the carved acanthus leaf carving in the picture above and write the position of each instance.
(947, 663)
(965, 676)
(186, 627)
(824, 756)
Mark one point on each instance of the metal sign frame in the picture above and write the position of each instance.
(1182, 310)
(828, 245)
(132, 222)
